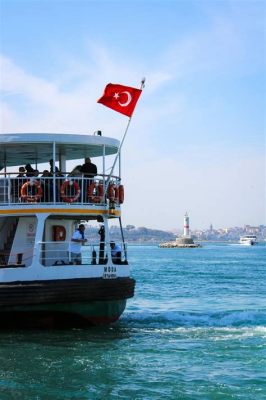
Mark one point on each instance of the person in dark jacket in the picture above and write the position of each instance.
(53, 169)
(29, 170)
(88, 168)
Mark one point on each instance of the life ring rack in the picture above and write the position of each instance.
(121, 194)
(95, 198)
(116, 193)
(31, 198)
(113, 193)
(64, 186)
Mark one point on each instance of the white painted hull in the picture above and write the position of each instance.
(39, 273)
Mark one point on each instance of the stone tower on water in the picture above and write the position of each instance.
(186, 226)
(183, 241)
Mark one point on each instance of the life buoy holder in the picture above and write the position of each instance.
(28, 197)
(67, 184)
(113, 193)
(98, 197)
(121, 194)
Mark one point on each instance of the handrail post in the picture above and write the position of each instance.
(54, 180)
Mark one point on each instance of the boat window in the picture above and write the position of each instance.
(57, 247)
(17, 237)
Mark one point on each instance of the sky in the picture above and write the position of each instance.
(196, 141)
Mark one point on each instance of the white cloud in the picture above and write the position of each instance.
(208, 183)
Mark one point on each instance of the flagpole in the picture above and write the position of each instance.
(142, 85)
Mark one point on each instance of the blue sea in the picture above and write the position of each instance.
(196, 329)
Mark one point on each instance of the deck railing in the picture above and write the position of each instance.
(64, 189)
(57, 253)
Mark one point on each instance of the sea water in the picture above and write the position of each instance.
(196, 329)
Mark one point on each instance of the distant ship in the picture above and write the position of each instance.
(248, 240)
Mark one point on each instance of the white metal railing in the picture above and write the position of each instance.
(64, 189)
(57, 253)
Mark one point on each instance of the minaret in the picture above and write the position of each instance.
(186, 225)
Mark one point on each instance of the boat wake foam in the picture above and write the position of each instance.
(234, 318)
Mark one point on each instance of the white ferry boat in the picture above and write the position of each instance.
(248, 240)
(39, 283)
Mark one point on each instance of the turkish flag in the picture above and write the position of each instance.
(122, 99)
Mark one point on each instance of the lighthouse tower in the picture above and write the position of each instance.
(185, 240)
(186, 225)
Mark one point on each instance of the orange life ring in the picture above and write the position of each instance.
(95, 198)
(31, 198)
(121, 194)
(113, 193)
(69, 199)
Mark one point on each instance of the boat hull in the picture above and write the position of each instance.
(66, 303)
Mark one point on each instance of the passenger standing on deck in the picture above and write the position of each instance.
(30, 170)
(76, 171)
(17, 183)
(47, 187)
(53, 169)
(21, 171)
(77, 241)
(89, 169)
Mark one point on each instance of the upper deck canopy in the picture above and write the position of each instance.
(22, 148)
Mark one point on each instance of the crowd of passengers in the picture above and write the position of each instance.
(27, 173)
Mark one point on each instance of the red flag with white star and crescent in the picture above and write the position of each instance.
(122, 99)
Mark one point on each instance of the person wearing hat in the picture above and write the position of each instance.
(21, 171)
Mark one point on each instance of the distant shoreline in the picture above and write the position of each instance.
(151, 243)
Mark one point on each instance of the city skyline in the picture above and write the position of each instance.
(196, 142)
(180, 228)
